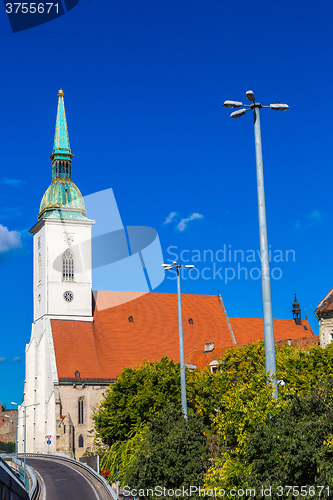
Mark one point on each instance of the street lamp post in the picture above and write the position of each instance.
(17, 419)
(168, 267)
(270, 363)
(25, 433)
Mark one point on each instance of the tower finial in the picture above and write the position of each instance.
(296, 311)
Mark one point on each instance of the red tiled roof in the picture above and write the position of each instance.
(326, 304)
(75, 349)
(102, 349)
(248, 330)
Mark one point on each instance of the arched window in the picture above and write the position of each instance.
(80, 441)
(80, 411)
(68, 266)
(39, 269)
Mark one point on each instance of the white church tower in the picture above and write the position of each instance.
(61, 287)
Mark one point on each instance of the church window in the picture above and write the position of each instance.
(68, 266)
(39, 269)
(80, 411)
(80, 441)
(64, 429)
(39, 242)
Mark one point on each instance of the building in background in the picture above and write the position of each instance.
(8, 424)
(324, 313)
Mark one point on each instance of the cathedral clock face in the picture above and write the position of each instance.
(68, 296)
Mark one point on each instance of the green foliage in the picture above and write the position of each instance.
(118, 459)
(7, 447)
(234, 403)
(172, 454)
(247, 404)
(138, 394)
(297, 447)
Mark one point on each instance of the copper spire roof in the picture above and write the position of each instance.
(62, 200)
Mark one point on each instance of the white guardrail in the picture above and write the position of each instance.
(84, 466)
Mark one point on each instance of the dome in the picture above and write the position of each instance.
(62, 200)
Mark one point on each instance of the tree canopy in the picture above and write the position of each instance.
(172, 455)
(138, 394)
(234, 404)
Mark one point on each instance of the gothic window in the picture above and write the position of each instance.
(80, 441)
(64, 429)
(80, 411)
(68, 266)
(39, 269)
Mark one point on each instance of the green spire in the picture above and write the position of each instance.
(61, 156)
(62, 200)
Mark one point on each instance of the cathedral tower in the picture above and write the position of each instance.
(62, 239)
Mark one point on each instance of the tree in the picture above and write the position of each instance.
(138, 394)
(296, 448)
(247, 404)
(171, 456)
(7, 447)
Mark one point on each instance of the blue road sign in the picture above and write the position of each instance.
(48, 441)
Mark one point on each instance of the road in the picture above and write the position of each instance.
(64, 482)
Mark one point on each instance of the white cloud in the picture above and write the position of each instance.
(184, 222)
(170, 217)
(316, 217)
(2, 359)
(9, 239)
(7, 181)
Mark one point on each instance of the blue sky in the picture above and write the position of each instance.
(144, 85)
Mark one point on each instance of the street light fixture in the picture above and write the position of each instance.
(168, 267)
(270, 362)
(25, 432)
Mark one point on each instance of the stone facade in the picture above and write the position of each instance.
(325, 322)
(7, 425)
(78, 400)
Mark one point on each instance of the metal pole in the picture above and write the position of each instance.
(25, 441)
(181, 348)
(264, 256)
(16, 445)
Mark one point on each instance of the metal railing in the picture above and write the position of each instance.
(81, 465)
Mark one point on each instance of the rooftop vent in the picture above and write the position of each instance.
(190, 321)
(77, 374)
(209, 347)
(130, 319)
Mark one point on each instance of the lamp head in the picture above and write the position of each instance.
(279, 107)
(232, 104)
(237, 114)
(250, 95)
